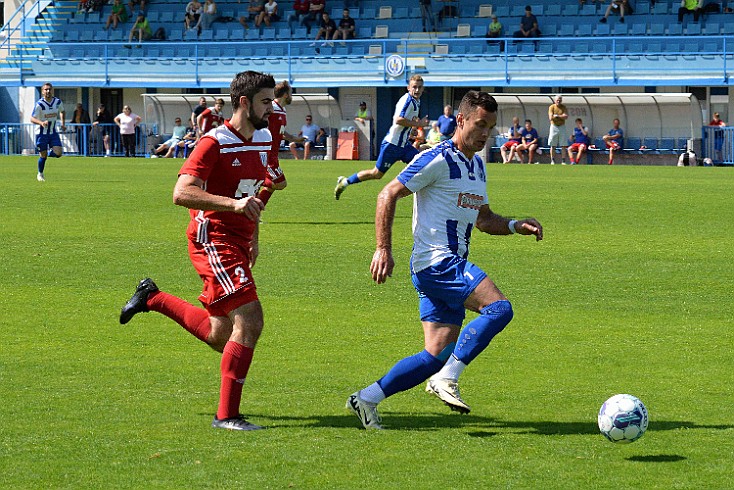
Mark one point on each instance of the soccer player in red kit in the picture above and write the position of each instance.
(219, 184)
(211, 117)
(276, 125)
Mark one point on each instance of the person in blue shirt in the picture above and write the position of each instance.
(614, 140)
(514, 135)
(447, 123)
(579, 142)
(47, 110)
(529, 143)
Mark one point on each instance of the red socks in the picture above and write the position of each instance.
(265, 194)
(193, 319)
(236, 360)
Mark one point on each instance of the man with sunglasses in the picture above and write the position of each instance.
(308, 133)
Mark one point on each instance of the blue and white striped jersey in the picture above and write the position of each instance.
(407, 107)
(48, 111)
(448, 191)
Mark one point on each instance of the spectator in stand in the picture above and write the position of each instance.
(447, 123)
(210, 118)
(346, 27)
(309, 133)
(718, 136)
(690, 6)
(186, 144)
(81, 116)
(515, 138)
(105, 119)
(363, 115)
(529, 143)
(193, 14)
(558, 134)
(82, 6)
(579, 142)
(429, 21)
(618, 7)
(320, 138)
(494, 31)
(197, 110)
(434, 136)
(614, 140)
(269, 14)
(327, 26)
(167, 147)
(528, 25)
(315, 9)
(208, 15)
(139, 4)
(299, 14)
(141, 28)
(127, 120)
(253, 11)
(117, 16)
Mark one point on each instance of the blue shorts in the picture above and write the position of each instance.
(46, 141)
(443, 289)
(390, 154)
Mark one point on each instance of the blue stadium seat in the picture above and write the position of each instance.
(728, 27)
(252, 35)
(72, 35)
(619, 29)
(588, 9)
(302, 33)
(570, 9)
(94, 18)
(284, 33)
(221, 34)
(400, 13)
(479, 31)
(642, 8)
(354, 12)
(229, 52)
(369, 14)
(632, 144)
(116, 36)
(364, 32)
(650, 144)
(667, 145)
(502, 11)
(566, 30)
(190, 35)
(584, 30)
(553, 10)
(545, 48)
(693, 29)
(675, 29)
(538, 9)
(712, 28)
(660, 8)
(602, 30)
(176, 35)
(268, 34)
(206, 35)
(517, 10)
(357, 50)
(167, 16)
(638, 29)
(101, 35)
(154, 16)
(657, 28)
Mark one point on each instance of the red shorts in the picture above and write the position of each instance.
(510, 144)
(225, 270)
(577, 147)
(613, 145)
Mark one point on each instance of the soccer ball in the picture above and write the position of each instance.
(623, 418)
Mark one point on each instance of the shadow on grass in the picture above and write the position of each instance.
(657, 458)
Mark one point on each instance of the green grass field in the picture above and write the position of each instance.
(630, 292)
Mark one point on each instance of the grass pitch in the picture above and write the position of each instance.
(630, 292)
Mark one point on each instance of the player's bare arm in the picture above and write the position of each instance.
(382, 261)
(494, 224)
(189, 193)
(420, 123)
(39, 122)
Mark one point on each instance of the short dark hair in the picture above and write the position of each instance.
(247, 84)
(282, 88)
(473, 99)
(528, 121)
(528, 8)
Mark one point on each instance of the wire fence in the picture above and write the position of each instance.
(718, 144)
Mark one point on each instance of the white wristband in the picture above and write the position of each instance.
(511, 226)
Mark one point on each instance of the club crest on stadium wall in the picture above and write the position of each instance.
(394, 65)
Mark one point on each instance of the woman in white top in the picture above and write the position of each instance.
(193, 12)
(209, 15)
(268, 14)
(127, 121)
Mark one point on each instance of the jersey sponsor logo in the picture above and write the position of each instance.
(236, 163)
(471, 201)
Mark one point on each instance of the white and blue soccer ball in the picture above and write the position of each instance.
(623, 419)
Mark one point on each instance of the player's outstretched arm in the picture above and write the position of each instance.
(382, 261)
(494, 224)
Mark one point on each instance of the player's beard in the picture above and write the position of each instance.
(258, 123)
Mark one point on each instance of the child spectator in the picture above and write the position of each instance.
(117, 16)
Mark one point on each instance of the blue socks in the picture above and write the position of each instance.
(479, 332)
(353, 179)
(41, 164)
(409, 372)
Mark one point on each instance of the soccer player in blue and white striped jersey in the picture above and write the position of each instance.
(396, 145)
(450, 200)
(47, 110)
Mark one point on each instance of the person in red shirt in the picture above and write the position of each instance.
(211, 117)
(299, 14)
(219, 184)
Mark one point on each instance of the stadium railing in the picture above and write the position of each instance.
(718, 144)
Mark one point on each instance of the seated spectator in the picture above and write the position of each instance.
(140, 4)
(690, 6)
(193, 14)
(428, 19)
(614, 140)
(320, 138)
(300, 11)
(418, 135)
(309, 132)
(515, 138)
(117, 16)
(528, 25)
(186, 144)
(495, 28)
(529, 143)
(327, 26)
(315, 8)
(269, 14)
(619, 7)
(434, 136)
(579, 142)
(81, 6)
(253, 11)
(141, 28)
(346, 27)
(166, 148)
(208, 15)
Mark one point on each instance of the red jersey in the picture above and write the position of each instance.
(210, 118)
(276, 124)
(230, 166)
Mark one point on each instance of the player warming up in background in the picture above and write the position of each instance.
(396, 145)
(450, 199)
(276, 124)
(219, 183)
(47, 110)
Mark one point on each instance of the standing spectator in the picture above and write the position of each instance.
(211, 117)
(614, 140)
(718, 136)
(299, 14)
(529, 142)
(47, 110)
(269, 14)
(308, 133)
(218, 184)
(427, 16)
(579, 142)
(81, 117)
(617, 6)
(346, 27)
(515, 138)
(193, 14)
(105, 120)
(315, 8)
(128, 121)
(117, 16)
(558, 134)
(690, 6)
(141, 28)
(528, 25)
(139, 4)
(167, 147)
(208, 15)
(195, 113)
(447, 123)
(327, 26)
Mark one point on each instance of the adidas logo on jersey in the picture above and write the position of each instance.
(236, 163)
